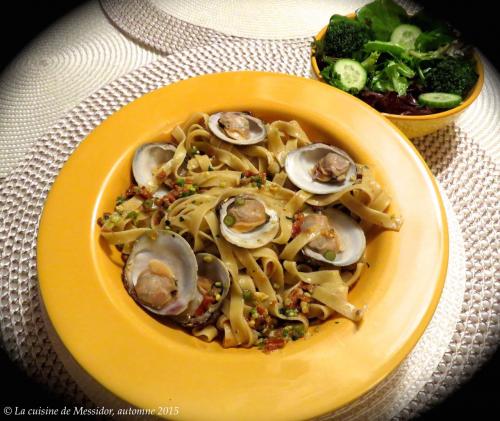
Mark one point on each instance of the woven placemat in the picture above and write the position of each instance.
(66, 63)
(170, 26)
(155, 29)
(448, 352)
(85, 50)
(283, 19)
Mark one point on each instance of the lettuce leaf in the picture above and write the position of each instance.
(432, 40)
(382, 16)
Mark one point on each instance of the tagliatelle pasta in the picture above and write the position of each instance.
(284, 262)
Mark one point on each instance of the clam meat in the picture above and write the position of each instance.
(332, 167)
(246, 221)
(237, 128)
(161, 273)
(320, 169)
(341, 241)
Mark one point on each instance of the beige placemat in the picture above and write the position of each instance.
(264, 19)
(59, 69)
(446, 354)
(84, 51)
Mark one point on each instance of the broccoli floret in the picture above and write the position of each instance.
(453, 76)
(344, 37)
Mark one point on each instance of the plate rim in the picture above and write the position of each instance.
(417, 333)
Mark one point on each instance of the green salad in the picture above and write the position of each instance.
(397, 63)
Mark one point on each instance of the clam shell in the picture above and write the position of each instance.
(215, 270)
(253, 239)
(148, 158)
(351, 235)
(257, 129)
(171, 249)
(300, 163)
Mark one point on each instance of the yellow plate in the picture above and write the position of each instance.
(152, 365)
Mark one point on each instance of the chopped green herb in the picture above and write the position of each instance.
(148, 204)
(180, 182)
(257, 180)
(120, 200)
(229, 220)
(286, 331)
(115, 218)
(298, 332)
(247, 294)
(189, 190)
(291, 312)
(132, 215)
(329, 255)
(240, 201)
(254, 314)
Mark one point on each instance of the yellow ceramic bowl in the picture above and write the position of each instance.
(421, 125)
(155, 366)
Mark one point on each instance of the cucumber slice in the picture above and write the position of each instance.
(384, 47)
(351, 75)
(406, 35)
(439, 100)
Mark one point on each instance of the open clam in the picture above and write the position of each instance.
(161, 273)
(237, 128)
(246, 221)
(320, 169)
(165, 276)
(212, 287)
(147, 159)
(342, 242)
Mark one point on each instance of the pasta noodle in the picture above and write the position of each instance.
(275, 290)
